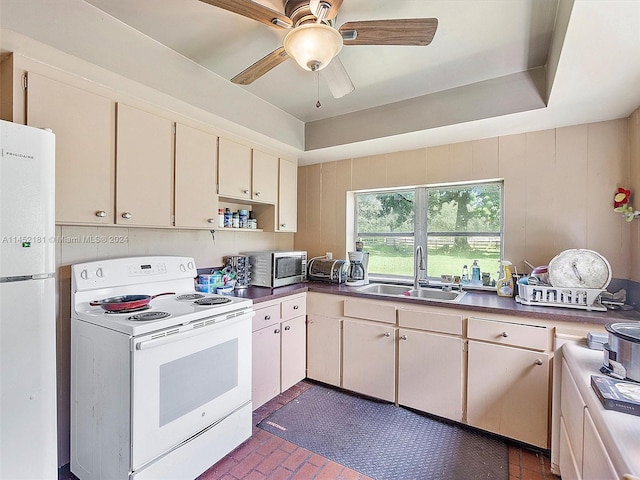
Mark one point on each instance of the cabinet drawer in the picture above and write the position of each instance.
(266, 316)
(370, 310)
(526, 336)
(431, 321)
(294, 307)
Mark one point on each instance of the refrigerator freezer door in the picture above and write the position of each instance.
(27, 201)
(28, 424)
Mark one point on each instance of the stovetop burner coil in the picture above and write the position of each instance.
(189, 296)
(212, 301)
(128, 310)
(146, 316)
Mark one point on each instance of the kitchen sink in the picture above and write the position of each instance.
(385, 289)
(436, 294)
(406, 291)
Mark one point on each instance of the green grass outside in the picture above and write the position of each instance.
(399, 261)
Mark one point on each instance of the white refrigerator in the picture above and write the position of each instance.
(28, 426)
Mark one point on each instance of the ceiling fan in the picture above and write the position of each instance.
(314, 42)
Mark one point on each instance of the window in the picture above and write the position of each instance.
(455, 224)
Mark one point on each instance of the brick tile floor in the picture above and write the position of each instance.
(267, 457)
(282, 460)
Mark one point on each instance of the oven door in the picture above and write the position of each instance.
(184, 380)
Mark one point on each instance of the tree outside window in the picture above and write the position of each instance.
(456, 224)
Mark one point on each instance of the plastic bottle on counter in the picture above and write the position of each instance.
(475, 272)
(465, 275)
(505, 286)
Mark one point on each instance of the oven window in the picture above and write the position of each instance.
(288, 267)
(192, 381)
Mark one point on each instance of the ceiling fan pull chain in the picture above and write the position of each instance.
(317, 72)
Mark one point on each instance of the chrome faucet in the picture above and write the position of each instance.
(418, 266)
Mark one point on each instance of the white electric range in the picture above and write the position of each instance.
(163, 391)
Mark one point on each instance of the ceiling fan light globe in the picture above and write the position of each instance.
(313, 45)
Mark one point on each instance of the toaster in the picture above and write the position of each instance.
(325, 270)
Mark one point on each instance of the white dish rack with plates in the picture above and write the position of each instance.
(581, 298)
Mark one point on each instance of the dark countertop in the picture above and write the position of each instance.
(479, 301)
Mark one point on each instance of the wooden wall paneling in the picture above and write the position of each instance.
(634, 167)
(314, 211)
(369, 172)
(512, 168)
(460, 165)
(485, 161)
(608, 167)
(407, 168)
(541, 219)
(438, 164)
(328, 229)
(572, 198)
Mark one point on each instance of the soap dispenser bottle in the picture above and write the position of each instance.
(504, 287)
(475, 272)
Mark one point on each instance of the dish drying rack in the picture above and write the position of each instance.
(581, 298)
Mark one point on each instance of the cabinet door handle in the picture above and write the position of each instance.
(211, 220)
(127, 215)
(538, 361)
(277, 330)
(309, 322)
(101, 214)
(403, 337)
(387, 334)
(246, 192)
(288, 327)
(296, 307)
(257, 194)
(283, 225)
(267, 317)
(505, 334)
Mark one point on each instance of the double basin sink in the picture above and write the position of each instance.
(391, 290)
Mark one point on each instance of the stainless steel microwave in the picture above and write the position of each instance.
(276, 268)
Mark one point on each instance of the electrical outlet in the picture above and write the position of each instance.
(329, 255)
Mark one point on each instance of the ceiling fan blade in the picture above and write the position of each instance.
(261, 67)
(254, 11)
(337, 78)
(409, 31)
(331, 13)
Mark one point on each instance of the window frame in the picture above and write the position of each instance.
(420, 231)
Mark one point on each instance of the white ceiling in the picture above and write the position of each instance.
(495, 67)
(476, 40)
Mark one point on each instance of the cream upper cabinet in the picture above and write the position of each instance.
(84, 125)
(287, 197)
(234, 170)
(264, 185)
(144, 178)
(196, 201)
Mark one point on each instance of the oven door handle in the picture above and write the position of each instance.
(178, 334)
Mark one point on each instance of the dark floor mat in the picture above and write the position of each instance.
(386, 442)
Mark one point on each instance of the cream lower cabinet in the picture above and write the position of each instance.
(279, 347)
(324, 345)
(431, 362)
(84, 124)
(508, 386)
(368, 358)
(369, 348)
(583, 455)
